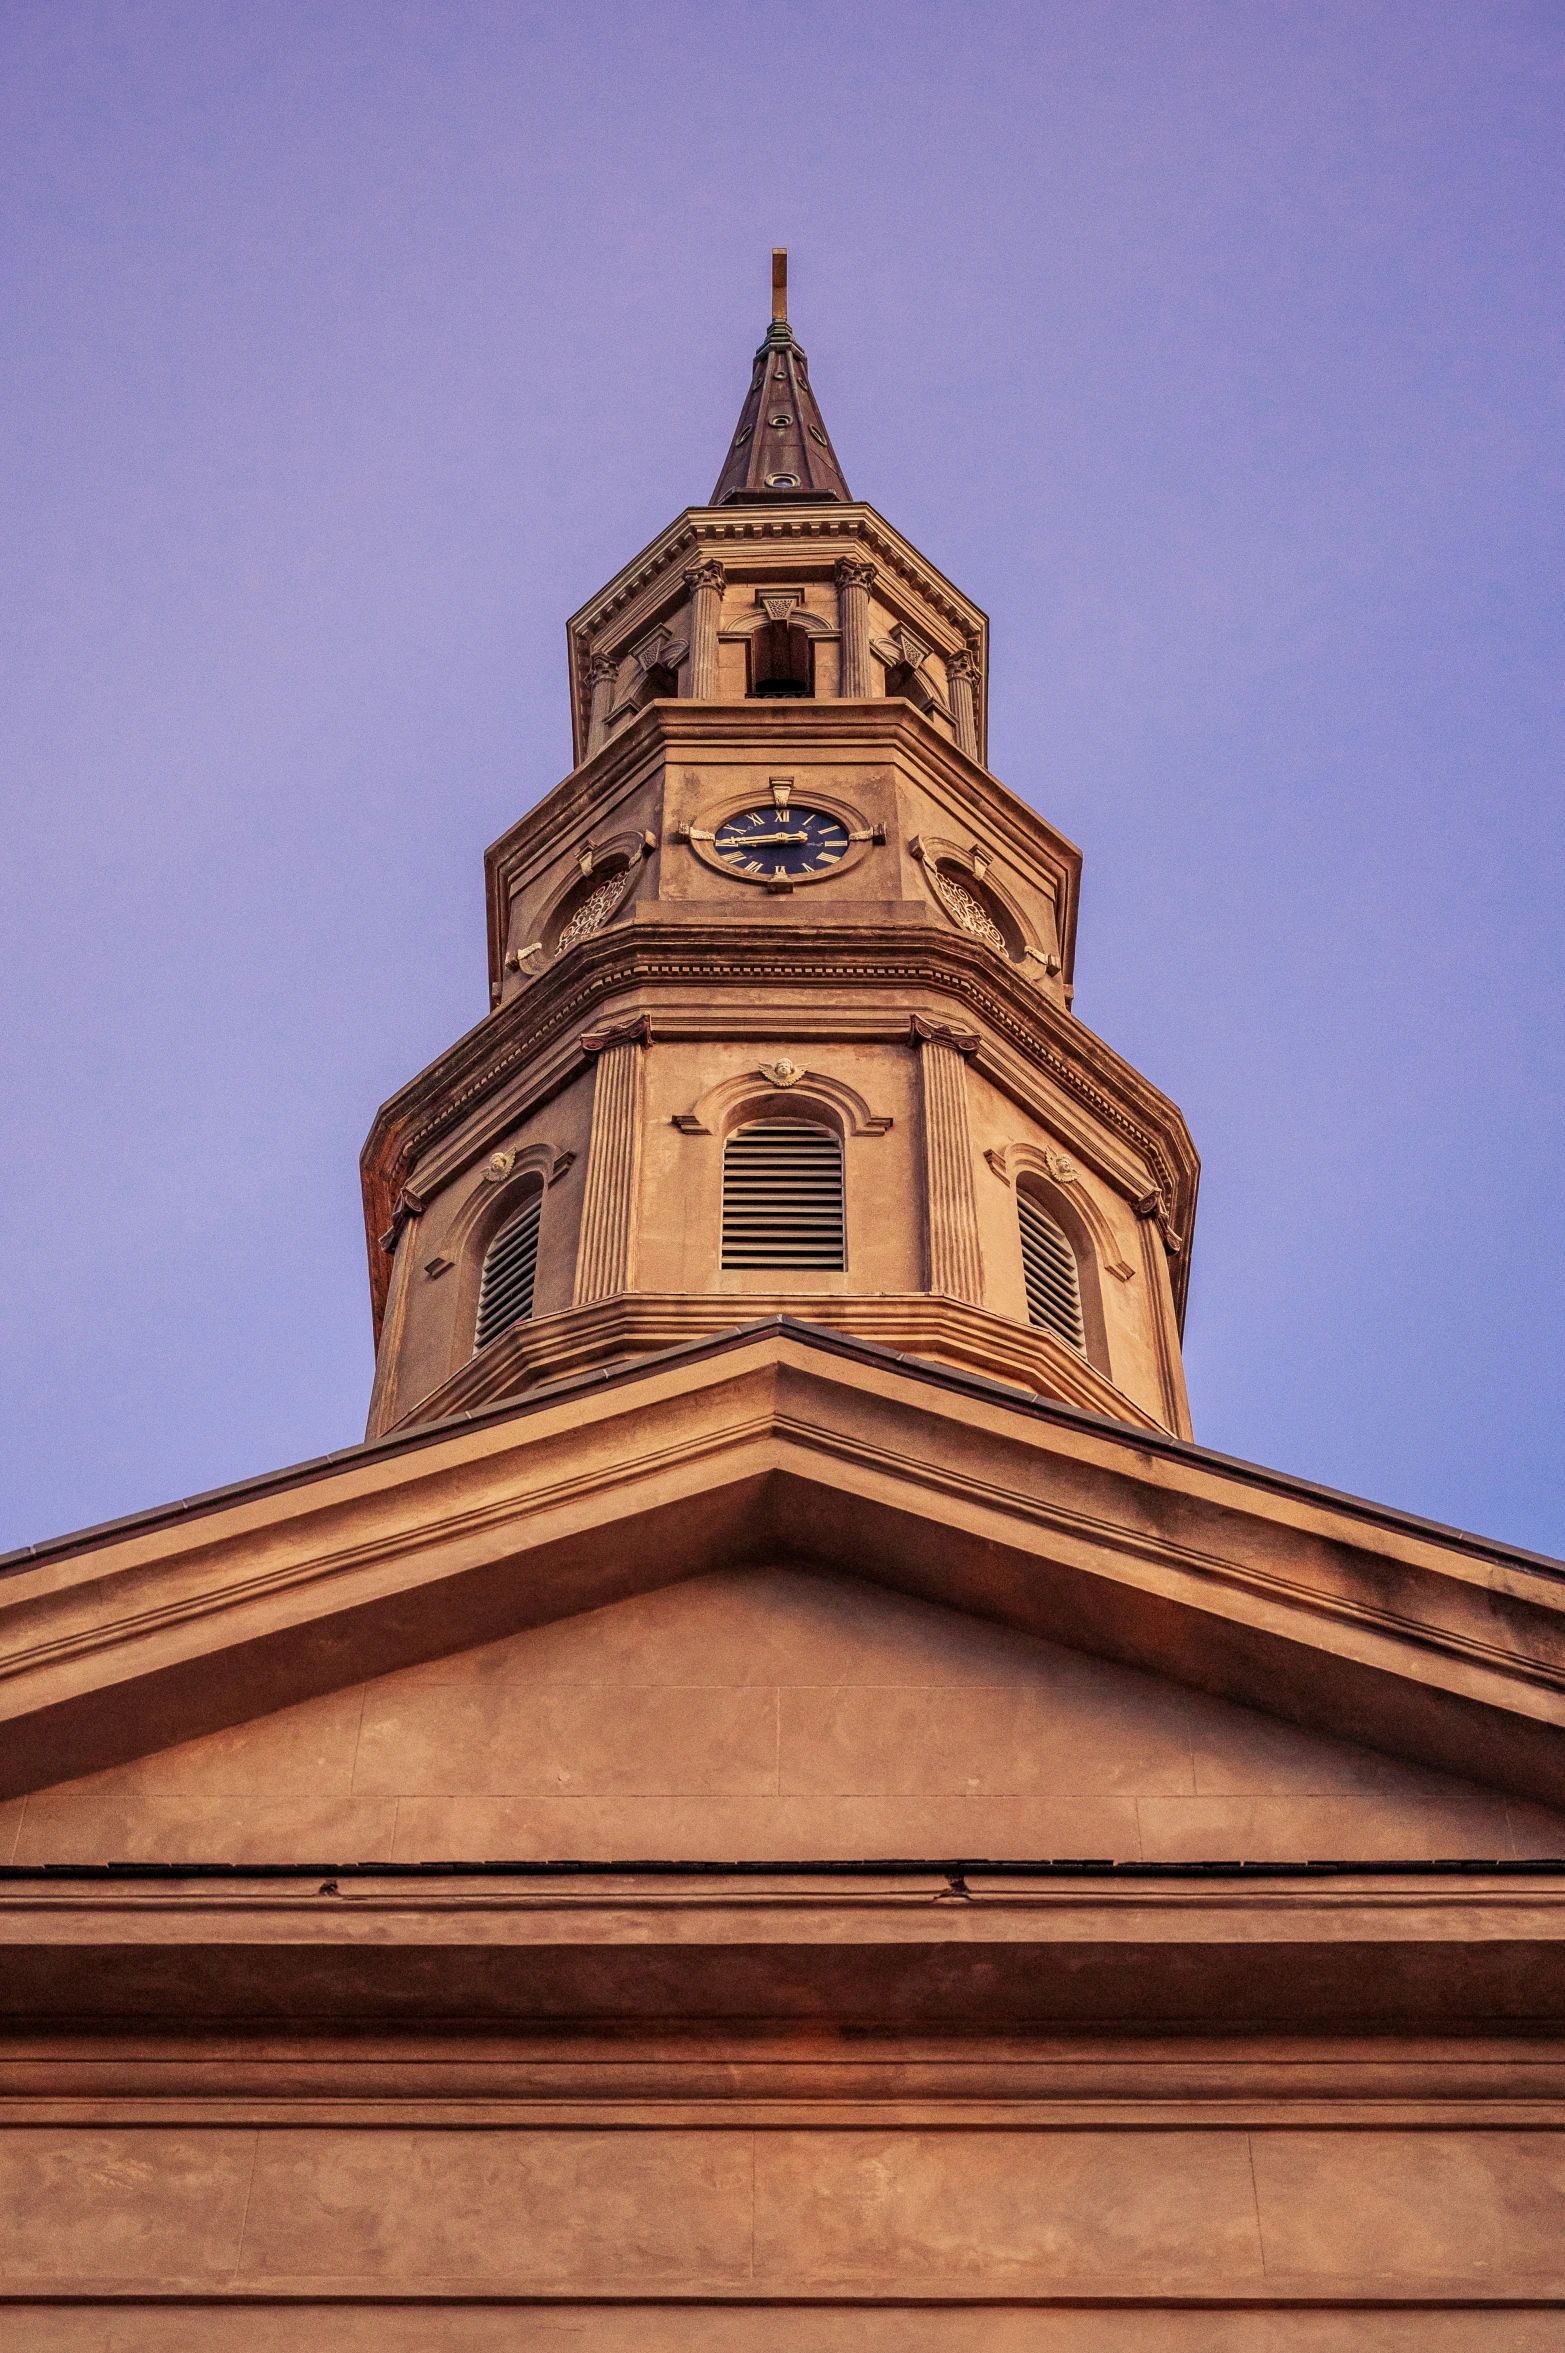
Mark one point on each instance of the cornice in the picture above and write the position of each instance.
(1365, 1520)
(734, 526)
(784, 1440)
(387, 1961)
(646, 959)
(770, 2078)
(639, 1323)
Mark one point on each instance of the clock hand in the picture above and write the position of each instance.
(755, 841)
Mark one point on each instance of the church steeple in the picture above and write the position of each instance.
(782, 1000)
(781, 451)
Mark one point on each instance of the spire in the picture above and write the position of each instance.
(781, 452)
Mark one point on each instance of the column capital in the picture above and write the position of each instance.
(602, 666)
(855, 572)
(629, 1033)
(963, 663)
(709, 573)
(923, 1031)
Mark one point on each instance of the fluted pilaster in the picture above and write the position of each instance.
(608, 1216)
(855, 579)
(962, 675)
(601, 677)
(955, 1262)
(705, 582)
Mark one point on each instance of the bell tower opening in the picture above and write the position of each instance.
(781, 660)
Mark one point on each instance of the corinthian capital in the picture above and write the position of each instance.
(602, 666)
(855, 572)
(707, 574)
(963, 663)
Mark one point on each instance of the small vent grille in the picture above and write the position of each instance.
(782, 1196)
(505, 1296)
(1053, 1286)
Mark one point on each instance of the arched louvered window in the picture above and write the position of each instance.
(505, 1294)
(1049, 1264)
(782, 1196)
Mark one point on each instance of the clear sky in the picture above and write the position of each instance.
(1214, 349)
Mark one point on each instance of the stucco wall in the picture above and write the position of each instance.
(768, 1714)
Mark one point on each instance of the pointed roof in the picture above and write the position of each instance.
(781, 452)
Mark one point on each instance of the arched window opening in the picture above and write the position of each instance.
(505, 1293)
(662, 681)
(1053, 1281)
(782, 660)
(782, 1196)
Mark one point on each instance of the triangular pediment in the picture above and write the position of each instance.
(768, 1714)
(1102, 1549)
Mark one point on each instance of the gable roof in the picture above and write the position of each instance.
(780, 1440)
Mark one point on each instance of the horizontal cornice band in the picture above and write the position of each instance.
(643, 959)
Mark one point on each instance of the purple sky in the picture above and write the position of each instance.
(1214, 349)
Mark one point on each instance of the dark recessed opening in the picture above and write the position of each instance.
(782, 661)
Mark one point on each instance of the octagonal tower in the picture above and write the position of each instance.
(780, 982)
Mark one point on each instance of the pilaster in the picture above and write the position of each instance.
(705, 582)
(961, 673)
(855, 578)
(604, 1255)
(955, 1260)
(601, 678)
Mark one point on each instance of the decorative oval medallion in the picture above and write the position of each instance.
(594, 911)
(966, 910)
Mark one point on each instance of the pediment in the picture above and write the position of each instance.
(768, 1714)
(778, 1447)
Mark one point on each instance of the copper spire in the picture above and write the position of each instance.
(781, 451)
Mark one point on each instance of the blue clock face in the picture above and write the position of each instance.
(781, 845)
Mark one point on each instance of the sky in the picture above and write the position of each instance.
(1214, 349)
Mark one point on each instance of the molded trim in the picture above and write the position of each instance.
(722, 1105)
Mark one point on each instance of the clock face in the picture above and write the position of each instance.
(790, 845)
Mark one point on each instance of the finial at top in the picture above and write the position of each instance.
(779, 281)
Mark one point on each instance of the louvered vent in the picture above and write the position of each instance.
(505, 1295)
(1049, 1263)
(782, 1196)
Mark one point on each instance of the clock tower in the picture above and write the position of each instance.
(780, 1000)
